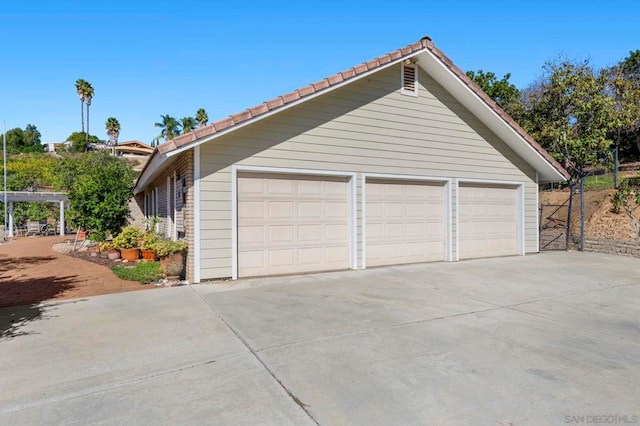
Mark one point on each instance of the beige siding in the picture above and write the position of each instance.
(364, 127)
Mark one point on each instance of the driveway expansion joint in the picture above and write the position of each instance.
(592, 330)
(110, 386)
(367, 331)
(304, 407)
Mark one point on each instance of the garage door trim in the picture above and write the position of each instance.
(448, 255)
(519, 186)
(351, 177)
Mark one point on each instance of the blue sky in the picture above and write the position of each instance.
(145, 59)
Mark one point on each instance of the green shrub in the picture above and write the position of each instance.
(128, 238)
(99, 188)
(149, 240)
(166, 247)
(626, 193)
(143, 272)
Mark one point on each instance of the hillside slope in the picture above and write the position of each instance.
(600, 221)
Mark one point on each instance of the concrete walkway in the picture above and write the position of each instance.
(31, 272)
(545, 339)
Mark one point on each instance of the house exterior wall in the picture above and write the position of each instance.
(136, 211)
(365, 127)
(182, 167)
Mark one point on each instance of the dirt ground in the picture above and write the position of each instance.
(31, 272)
(600, 221)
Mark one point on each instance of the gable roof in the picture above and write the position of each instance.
(430, 59)
(135, 143)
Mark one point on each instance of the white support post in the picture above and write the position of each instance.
(10, 219)
(167, 229)
(61, 218)
(174, 213)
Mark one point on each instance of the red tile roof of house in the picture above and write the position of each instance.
(231, 121)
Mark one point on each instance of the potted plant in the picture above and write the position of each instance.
(148, 246)
(112, 252)
(171, 254)
(127, 242)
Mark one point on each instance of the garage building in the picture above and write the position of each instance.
(402, 159)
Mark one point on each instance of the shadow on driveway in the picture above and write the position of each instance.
(8, 263)
(20, 301)
(26, 291)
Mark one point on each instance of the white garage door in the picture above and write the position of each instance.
(488, 220)
(292, 224)
(405, 222)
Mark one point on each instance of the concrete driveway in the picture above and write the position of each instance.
(546, 339)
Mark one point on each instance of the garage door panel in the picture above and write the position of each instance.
(309, 210)
(415, 249)
(404, 222)
(250, 186)
(310, 256)
(252, 235)
(281, 257)
(415, 231)
(308, 233)
(251, 210)
(394, 210)
(396, 250)
(336, 255)
(375, 231)
(419, 210)
(335, 190)
(292, 224)
(252, 259)
(415, 192)
(280, 187)
(309, 188)
(394, 231)
(335, 232)
(336, 210)
(281, 234)
(280, 210)
(488, 219)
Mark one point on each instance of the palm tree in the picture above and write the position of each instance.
(113, 131)
(88, 95)
(188, 124)
(81, 89)
(202, 117)
(169, 126)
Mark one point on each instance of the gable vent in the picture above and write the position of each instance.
(409, 79)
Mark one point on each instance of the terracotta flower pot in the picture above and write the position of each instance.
(113, 254)
(149, 255)
(172, 265)
(130, 254)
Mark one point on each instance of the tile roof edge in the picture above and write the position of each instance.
(346, 75)
(302, 92)
(497, 109)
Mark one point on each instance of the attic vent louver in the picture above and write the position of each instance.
(409, 78)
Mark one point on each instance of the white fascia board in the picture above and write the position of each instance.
(478, 107)
(196, 215)
(156, 165)
(206, 139)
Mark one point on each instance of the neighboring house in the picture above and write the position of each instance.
(134, 148)
(397, 160)
(53, 146)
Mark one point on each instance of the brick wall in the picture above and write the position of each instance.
(136, 215)
(608, 246)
